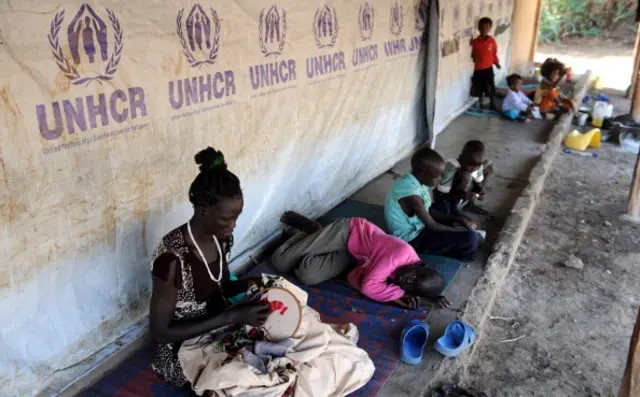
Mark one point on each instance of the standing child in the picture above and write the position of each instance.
(484, 51)
(516, 105)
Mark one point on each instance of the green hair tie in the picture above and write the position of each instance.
(218, 162)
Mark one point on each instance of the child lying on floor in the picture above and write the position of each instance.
(548, 97)
(409, 215)
(382, 267)
(463, 181)
(516, 105)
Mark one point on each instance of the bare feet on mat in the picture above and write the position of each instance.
(300, 222)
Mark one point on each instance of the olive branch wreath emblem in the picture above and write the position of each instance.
(363, 37)
(316, 34)
(213, 54)
(69, 70)
(420, 22)
(396, 28)
(282, 37)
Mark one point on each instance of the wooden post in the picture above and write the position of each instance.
(636, 65)
(635, 88)
(633, 206)
(534, 45)
(631, 380)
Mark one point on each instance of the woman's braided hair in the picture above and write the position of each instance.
(214, 182)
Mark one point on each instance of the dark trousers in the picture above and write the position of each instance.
(460, 245)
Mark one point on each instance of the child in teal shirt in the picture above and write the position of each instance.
(409, 216)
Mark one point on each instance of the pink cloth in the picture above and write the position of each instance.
(378, 256)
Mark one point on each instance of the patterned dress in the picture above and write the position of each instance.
(165, 362)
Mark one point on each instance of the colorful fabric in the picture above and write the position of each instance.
(378, 255)
(400, 225)
(485, 52)
(379, 325)
(320, 361)
(238, 297)
(165, 362)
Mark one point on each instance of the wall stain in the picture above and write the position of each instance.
(10, 210)
(61, 84)
(179, 65)
(9, 102)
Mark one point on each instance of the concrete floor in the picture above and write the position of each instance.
(514, 148)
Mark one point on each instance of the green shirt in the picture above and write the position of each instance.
(400, 225)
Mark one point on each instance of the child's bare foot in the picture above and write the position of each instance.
(300, 222)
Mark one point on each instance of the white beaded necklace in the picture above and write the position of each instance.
(206, 264)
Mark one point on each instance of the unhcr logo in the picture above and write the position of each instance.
(421, 15)
(365, 21)
(456, 16)
(272, 30)
(325, 27)
(325, 32)
(87, 37)
(367, 54)
(396, 23)
(89, 58)
(468, 31)
(199, 35)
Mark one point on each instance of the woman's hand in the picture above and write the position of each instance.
(251, 313)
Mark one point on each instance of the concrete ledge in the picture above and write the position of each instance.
(482, 297)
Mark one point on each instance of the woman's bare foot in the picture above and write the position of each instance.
(300, 222)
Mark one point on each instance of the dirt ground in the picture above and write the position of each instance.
(609, 59)
(558, 331)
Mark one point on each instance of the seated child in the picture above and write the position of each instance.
(516, 105)
(463, 180)
(408, 215)
(382, 267)
(548, 97)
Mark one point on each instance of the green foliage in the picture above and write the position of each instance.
(566, 18)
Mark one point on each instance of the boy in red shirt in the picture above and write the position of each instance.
(484, 51)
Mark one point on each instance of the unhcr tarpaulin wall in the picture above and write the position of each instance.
(103, 106)
(458, 23)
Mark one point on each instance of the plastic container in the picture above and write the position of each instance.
(598, 83)
(609, 111)
(581, 119)
(600, 111)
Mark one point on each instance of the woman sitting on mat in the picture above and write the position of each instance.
(191, 299)
(382, 267)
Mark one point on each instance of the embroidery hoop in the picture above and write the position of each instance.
(276, 328)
